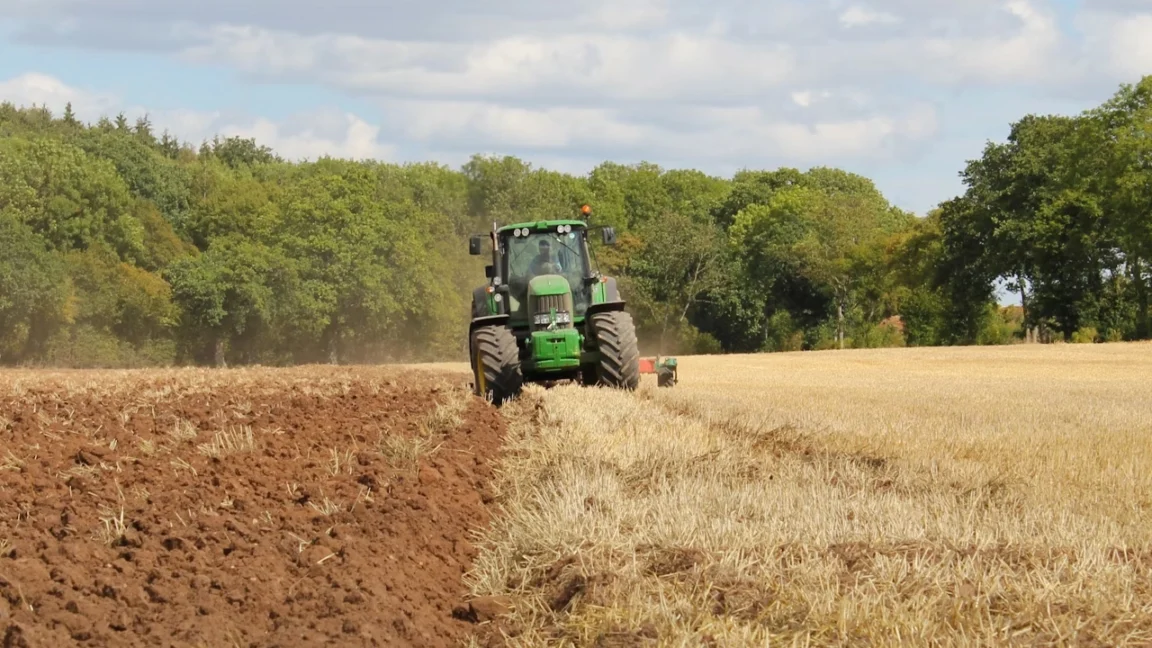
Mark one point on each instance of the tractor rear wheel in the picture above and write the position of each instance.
(615, 335)
(496, 364)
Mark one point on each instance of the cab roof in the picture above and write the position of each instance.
(543, 225)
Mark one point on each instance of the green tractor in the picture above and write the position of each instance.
(546, 314)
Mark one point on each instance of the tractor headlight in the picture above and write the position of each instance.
(563, 317)
(542, 319)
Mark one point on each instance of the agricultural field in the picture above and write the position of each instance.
(243, 507)
(964, 496)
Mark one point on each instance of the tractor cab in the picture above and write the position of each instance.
(557, 250)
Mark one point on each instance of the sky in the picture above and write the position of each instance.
(902, 91)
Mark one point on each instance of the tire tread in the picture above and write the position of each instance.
(619, 365)
(500, 362)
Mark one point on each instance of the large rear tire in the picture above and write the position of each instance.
(496, 364)
(615, 335)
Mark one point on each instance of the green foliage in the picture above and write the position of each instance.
(997, 326)
(1086, 335)
(680, 262)
(66, 196)
(1060, 211)
(128, 248)
(33, 289)
(119, 299)
(880, 336)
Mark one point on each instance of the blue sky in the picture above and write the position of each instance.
(903, 91)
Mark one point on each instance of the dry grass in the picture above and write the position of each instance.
(232, 441)
(925, 497)
(406, 451)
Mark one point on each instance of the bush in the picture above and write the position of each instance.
(1086, 335)
(694, 341)
(84, 347)
(882, 335)
(782, 333)
(999, 327)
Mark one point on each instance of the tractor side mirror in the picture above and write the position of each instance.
(608, 235)
(474, 245)
(489, 271)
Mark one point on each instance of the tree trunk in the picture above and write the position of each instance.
(663, 331)
(1023, 305)
(1141, 299)
(218, 352)
(840, 322)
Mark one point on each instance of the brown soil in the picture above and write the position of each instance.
(118, 527)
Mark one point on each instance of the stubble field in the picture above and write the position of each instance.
(918, 496)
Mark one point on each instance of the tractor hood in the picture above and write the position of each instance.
(548, 285)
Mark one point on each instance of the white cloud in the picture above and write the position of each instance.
(752, 133)
(307, 136)
(712, 134)
(514, 127)
(716, 60)
(808, 98)
(1122, 41)
(858, 16)
(619, 15)
(347, 136)
(1132, 46)
(42, 90)
(666, 66)
(1032, 54)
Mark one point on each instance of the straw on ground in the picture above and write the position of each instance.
(918, 496)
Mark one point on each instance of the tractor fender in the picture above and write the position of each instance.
(605, 307)
(486, 320)
(612, 300)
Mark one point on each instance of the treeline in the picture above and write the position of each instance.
(124, 247)
(1063, 211)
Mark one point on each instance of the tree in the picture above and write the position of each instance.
(1035, 206)
(818, 230)
(33, 290)
(1126, 120)
(680, 262)
(68, 197)
(229, 291)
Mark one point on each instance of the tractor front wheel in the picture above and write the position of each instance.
(496, 364)
(615, 335)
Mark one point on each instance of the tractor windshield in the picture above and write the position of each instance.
(545, 252)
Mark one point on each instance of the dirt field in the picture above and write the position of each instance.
(250, 507)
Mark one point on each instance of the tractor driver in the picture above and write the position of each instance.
(543, 263)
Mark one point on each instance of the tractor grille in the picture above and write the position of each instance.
(545, 303)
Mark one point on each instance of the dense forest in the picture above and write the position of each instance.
(124, 247)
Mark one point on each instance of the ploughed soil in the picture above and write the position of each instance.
(242, 507)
